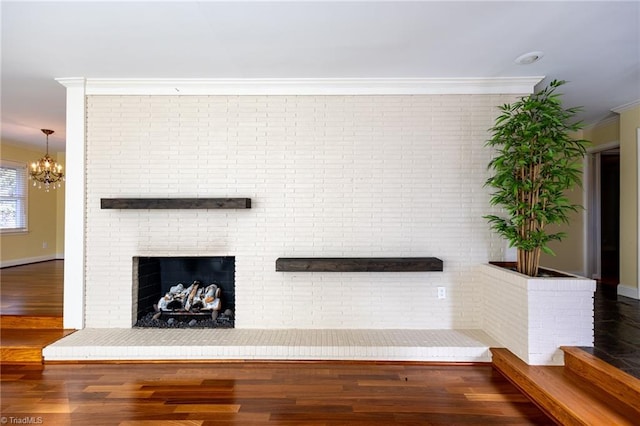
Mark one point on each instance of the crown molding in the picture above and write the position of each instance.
(72, 81)
(622, 108)
(305, 86)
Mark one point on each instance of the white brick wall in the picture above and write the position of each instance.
(534, 317)
(506, 314)
(327, 175)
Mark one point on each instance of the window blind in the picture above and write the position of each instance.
(13, 196)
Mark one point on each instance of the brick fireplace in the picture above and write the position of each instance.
(155, 277)
(374, 173)
(365, 169)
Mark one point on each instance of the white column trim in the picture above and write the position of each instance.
(74, 229)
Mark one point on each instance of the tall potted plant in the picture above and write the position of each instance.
(537, 160)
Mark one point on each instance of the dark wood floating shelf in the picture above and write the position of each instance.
(175, 203)
(358, 264)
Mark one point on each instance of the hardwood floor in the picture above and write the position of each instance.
(25, 345)
(31, 305)
(37, 290)
(32, 290)
(313, 393)
(300, 393)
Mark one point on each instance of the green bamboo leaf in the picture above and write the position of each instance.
(535, 162)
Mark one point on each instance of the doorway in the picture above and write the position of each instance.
(604, 214)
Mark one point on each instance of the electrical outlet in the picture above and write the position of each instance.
(442, 293)
(45, 245)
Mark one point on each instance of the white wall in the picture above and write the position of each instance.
(328, 176)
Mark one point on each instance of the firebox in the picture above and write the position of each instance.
(184, 292)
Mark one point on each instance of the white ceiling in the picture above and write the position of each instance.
(594, 45)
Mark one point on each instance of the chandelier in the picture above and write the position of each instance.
(46, 171)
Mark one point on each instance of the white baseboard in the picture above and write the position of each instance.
(627, 291)
(59, 256)
(26, 260)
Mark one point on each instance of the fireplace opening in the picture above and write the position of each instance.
(184, 292)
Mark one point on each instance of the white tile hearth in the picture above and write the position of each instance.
(289, 344)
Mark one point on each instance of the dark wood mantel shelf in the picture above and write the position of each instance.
(175, 203)
(358, 264)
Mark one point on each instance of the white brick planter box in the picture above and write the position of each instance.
(533, 317)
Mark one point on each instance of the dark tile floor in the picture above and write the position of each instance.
(617, 329)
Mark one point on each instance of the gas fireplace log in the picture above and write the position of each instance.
(192, 299)
(192, 295)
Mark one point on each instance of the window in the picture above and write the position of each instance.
(13, 197)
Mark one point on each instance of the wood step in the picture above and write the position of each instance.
(30, 322)
(622, 386)
(564, 396)
(25, 345)
(18, 355)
